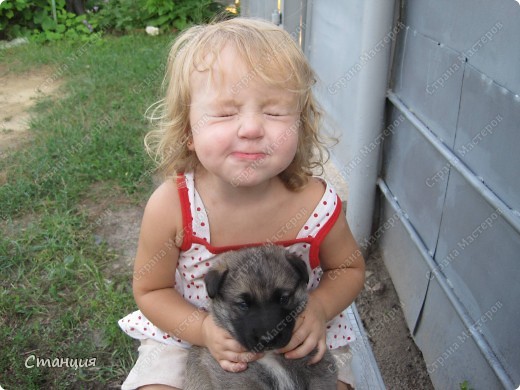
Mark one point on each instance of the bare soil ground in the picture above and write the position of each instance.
(117, 221)
(400, 361)
(18, 93)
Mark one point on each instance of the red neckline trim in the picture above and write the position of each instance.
(220, 249)
(189, 239)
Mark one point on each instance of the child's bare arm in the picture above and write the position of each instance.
(343, 277)
(155, 265)
(343, 270)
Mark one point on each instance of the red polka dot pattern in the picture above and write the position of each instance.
(190, 276)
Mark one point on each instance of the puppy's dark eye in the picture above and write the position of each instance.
(284, 299)
(242, 305)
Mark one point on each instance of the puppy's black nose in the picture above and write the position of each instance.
(271, 340)
(262, 340)
(266, 340)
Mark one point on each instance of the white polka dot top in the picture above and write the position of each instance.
(196, 258)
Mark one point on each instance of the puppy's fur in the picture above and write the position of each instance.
(257, 294)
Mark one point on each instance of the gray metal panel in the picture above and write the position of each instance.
(258, 9)
(450, 353)
(364, 367)
(397, 79)
(455, 56)
(332, 47)
(473, 327)
(483, 30)
(488, 134)
(428, 78)
(404, 263)
(294, 13)
(480, 255)
(417, 176)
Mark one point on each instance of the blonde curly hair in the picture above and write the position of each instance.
(268, 51)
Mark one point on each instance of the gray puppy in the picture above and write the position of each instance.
(256, 295)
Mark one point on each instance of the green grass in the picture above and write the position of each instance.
(59, 295)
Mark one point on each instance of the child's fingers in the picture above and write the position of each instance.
(321, 348)
(232, 366)
(233, 351)
(302, 349)
(230, 344)
(297, 339)
(249, 357)
(300, 334)
(236, 362)
(240, 357)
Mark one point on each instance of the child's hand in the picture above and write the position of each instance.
(308, 334)
(228, 352)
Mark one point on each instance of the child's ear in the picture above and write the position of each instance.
(189, 144)
(214, 280)
(299, 265)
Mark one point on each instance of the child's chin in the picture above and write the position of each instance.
(246, 182)
(251, 179)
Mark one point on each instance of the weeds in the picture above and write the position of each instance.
(59, 296)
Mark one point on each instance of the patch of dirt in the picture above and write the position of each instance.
(18, 93)
(400, 361)
(116, 220)
(120, 229)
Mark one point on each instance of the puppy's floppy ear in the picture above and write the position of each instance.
(299, 265)
(214, 280)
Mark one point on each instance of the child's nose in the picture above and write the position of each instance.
(251, 125)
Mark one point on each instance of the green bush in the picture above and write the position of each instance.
(125, 15)
(166, 14)
(116, 15)
(35, 19)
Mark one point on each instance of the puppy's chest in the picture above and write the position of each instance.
(277, 372)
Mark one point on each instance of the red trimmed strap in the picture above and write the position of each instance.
(184, 198)
(220, 249)
(314, 255)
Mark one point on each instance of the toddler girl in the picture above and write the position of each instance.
(237, 143)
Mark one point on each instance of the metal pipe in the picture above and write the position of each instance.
(509, 215)
(459, 308)
(53, 6)
(377, 22)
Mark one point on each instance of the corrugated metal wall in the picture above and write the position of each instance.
(449, 189)
(450, 170)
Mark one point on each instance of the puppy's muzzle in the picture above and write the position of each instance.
(263, 331)
(269, 340)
